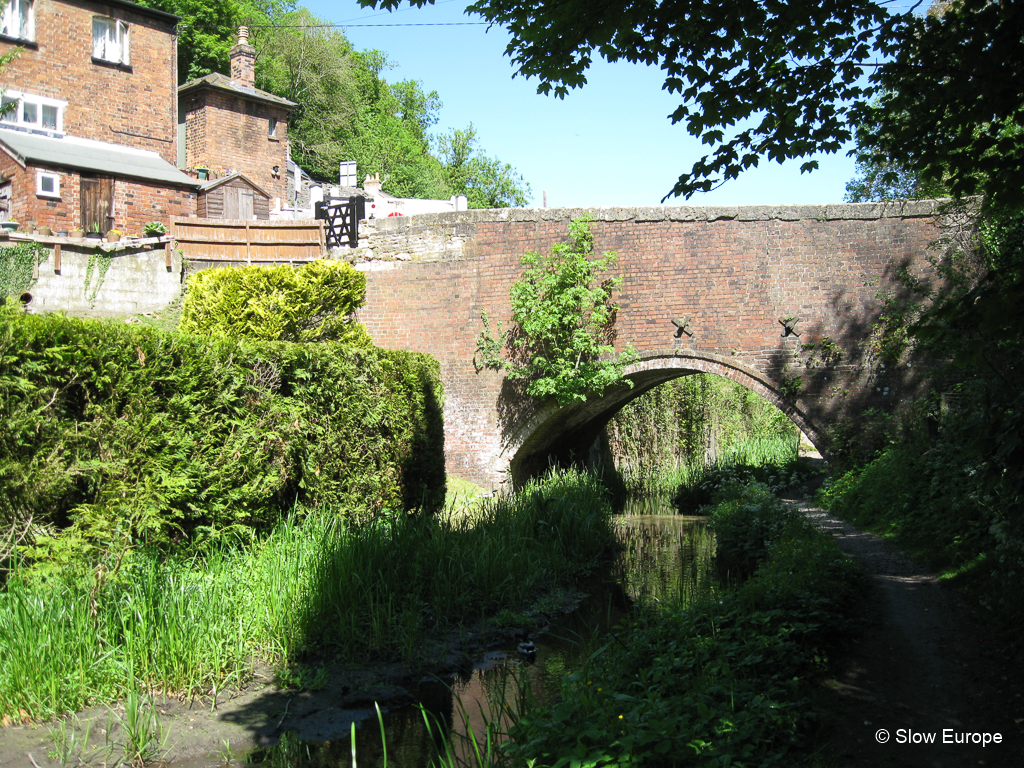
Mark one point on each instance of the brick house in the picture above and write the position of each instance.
(88, 138)
(228, 126)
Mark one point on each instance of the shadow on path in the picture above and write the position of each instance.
(925, 664)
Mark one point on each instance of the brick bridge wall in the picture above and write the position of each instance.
(734, 271)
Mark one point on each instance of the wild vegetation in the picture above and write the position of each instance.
(680, 437)
(721, 672)
(316, 588)
(563, 316)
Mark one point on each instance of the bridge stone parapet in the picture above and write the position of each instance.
(735, 272)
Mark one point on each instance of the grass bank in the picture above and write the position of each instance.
(391, 589)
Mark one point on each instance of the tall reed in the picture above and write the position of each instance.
(389, 589)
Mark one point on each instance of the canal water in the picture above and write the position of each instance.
(659, 558)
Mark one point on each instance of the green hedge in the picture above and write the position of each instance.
(113, 431)
(312, 303)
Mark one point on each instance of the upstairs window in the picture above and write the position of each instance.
(32, 112)
(110, 40)
(16, 20)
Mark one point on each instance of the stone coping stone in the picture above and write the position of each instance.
(833, 212)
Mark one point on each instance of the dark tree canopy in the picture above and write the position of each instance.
(768, 79)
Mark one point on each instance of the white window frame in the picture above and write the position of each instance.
(18, 19)
(52, 176)
(111, 40)
(17, 115)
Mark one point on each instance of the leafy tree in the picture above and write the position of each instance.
(347, 111)
(563, 316)
(485, 181)
(778, 80)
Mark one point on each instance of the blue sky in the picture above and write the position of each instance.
(607, 144)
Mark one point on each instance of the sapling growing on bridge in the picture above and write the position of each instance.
(563, 317)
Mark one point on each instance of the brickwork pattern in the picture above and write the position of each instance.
(133, 105)
(229, 133)
(135, 202)
(734, 272)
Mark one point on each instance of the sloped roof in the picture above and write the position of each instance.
(206, 186)
(92, 156)
(220, 82)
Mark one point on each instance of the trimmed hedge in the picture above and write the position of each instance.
(110, 431)
(312, 303)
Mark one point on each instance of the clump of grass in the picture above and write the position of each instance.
(385, 590)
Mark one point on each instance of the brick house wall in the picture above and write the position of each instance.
(133, 105)
(228, 133)
(135, 202)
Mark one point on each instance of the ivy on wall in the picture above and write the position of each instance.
(17, 268)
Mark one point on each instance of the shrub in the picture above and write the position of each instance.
(746, 521)
(121, 432)
(312, 303)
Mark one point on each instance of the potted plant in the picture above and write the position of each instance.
(114, 236)
(10, 226)
(43, 230)
(78, 232)
(95, 232)
(154, 229)
(203, 172)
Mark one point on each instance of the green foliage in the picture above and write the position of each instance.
(154, 229)
(17, 264)
(747, 521)
(486, 181)
(673, 434)
(98, 265)
(168, 620)
(560, 343)
(347, 111)
(312, 303)
(116, 434)
(723, 678)
(206, 33)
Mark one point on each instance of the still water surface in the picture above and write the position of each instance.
(657, 560)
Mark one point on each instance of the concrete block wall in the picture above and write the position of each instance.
(136, 281)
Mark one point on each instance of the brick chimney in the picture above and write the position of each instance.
(243, 61)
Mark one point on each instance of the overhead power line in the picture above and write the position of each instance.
(340, 26)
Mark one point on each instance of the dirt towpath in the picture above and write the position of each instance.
(926, 671)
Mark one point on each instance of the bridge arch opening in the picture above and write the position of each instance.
(562, 435)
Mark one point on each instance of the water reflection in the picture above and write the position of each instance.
(664, 555)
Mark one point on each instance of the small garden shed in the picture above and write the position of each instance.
(233, 197)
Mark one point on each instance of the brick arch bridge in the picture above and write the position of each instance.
(734, 272)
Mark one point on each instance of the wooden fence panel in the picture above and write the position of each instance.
(249, 240)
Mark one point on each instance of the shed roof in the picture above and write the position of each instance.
(206, 186)
(219, 82)
(92, 156)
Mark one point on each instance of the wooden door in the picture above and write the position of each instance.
(239, 203)
(97, 203)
